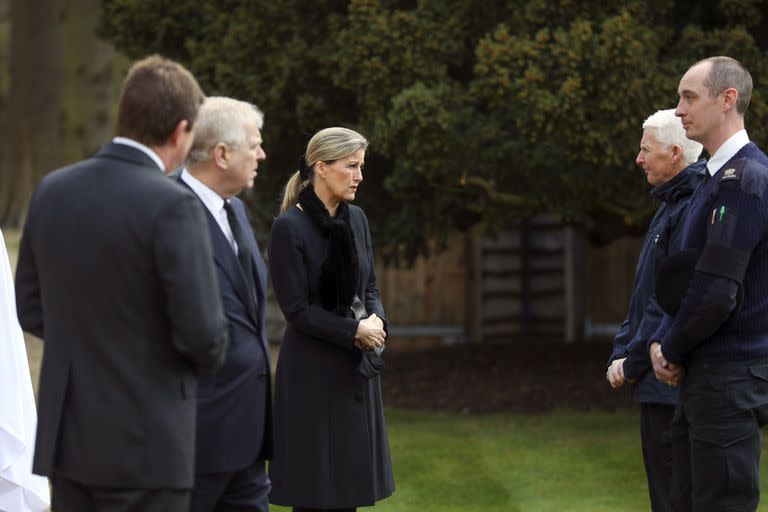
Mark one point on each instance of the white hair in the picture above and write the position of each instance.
(221, 119)
(670, 132)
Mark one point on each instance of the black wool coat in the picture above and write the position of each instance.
(330, 439)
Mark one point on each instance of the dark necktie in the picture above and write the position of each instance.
(243, 251)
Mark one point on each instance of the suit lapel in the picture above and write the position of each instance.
(260, 278)
(225, 258)
(259, 274)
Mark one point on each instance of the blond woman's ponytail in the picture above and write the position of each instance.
(292, 189)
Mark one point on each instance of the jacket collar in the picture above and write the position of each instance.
(683, 184)
(127, 153)
(144, 149)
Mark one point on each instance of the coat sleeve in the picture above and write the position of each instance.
(184, 262)
(620, 342)
(373, 302)
(290, 282)
(29, 303)
(638, 359)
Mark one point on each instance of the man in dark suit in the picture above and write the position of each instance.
(115, 274)
(233, 418)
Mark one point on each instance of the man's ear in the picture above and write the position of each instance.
(677, 153)
(181, 129)
(220, 155)
(730, 96)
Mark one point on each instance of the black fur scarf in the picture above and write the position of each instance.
(340, 268)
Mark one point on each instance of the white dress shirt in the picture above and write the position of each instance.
(213, 202)
(20, 490)
(141, 147)
(729, 148)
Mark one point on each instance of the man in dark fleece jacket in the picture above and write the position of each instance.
(716, 345)
(668, 158)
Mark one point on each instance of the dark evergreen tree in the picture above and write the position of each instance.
(476, 112)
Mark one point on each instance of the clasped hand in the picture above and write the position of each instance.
(370, 333)
(666, 372)
(615, 373)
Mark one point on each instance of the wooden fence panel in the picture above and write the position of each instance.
(431, 291)
(521, 282)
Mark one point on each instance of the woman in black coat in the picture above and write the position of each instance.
(330, 440)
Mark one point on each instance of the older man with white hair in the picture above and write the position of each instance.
(20, 490)
(668, 159)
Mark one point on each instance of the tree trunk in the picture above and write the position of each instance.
(32, 125)
(92, 74)
(5, 79)
(64, 84)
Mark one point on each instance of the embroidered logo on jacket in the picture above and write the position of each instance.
(729, 174)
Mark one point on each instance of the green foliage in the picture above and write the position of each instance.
(476, 113)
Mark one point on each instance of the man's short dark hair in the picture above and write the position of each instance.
(157, 94)
(727, 72)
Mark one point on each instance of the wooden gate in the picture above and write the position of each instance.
(520, 282)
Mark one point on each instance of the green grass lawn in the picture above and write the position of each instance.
(559, 462)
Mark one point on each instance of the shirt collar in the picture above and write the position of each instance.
(210, 199)
(141, 147)
(729, 148)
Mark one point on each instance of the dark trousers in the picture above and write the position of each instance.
(655, 426)
(722, 409)
(70, 496)
(245, 490)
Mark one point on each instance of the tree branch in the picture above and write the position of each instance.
(494, 195)
(630, 217)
